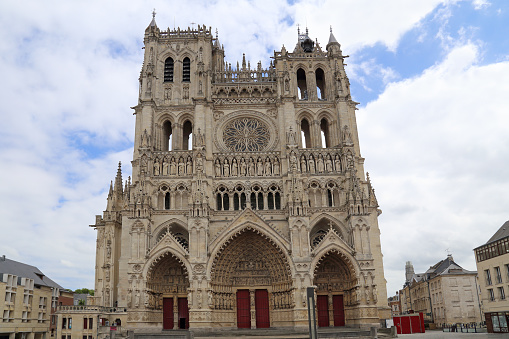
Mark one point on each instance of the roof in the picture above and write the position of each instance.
(26, 271)
(441, 268)
(502, 232)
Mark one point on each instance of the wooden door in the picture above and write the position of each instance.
(322, 305)
(167, 313)
(338, 310)
(243, 309)
(183, 321)
(262, 309)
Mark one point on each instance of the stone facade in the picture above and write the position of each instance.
(446, 294)
(28, 302)
(248, 187)
(492, 261)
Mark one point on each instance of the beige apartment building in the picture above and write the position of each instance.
(28, 301)
(492, 261)
(446, 294)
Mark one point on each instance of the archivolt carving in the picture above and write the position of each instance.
(167, 274)
(250, 258)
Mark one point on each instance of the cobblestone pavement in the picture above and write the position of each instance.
(453, 335)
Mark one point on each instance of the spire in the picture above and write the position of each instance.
(153, 22)
(332, 38)
(118, 178)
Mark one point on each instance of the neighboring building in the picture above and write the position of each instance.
(28, 300)
(446, 294)
(248, 187)
(492, 261)
(395, 305)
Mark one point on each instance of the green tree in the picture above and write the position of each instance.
(84, 291)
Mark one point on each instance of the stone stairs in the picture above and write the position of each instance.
(276, 333)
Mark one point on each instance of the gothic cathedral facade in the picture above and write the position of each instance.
(247, 187)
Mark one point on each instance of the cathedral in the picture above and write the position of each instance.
(247, 188)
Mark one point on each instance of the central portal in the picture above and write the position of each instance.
(251, 283)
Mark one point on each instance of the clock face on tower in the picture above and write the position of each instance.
(246, 135)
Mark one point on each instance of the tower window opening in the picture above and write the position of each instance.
(260, 201)
(277, 199)
(168, 70)
(270, 201)
(320, 84)
(324, 131)
(167, 137)
(243, 201)
(305, 134)
(219, 200)
(329, 198)
(253, 201)
(167, 201)
(187, 132)
(236, 202)
(301, 84)
(226, 202)
(186, 70)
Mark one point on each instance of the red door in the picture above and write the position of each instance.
(243, 309)
(183, 314)
(262, 309)
(167, 313)
(338, 310)
(322, 305)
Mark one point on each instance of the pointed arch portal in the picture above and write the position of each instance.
(167, 285)
(334, 281)
(251, 274)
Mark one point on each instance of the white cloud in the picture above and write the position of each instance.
(70, 73)
(436, 148)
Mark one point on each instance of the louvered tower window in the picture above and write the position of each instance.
(186, 70)
(168, 70)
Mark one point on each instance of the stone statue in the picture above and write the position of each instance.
(303, 166)
(319, 164)
(181, 167)
(259, 168)
(199, 163)
(251, 167)
(173, 167)
(218, 168)
(165, 167)
(157, 167)
(268, 170)
(277, 170)
(234, 168)
(189, 166)
(311, 164)
(337, 163)
(243, 168)
(226, 168)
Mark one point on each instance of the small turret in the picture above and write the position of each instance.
(333, 46)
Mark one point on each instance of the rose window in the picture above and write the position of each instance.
(246, 135)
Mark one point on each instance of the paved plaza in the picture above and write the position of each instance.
(453, 335)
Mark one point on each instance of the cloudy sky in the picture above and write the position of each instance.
(431, 77)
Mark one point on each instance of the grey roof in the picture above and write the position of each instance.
(26, 271)
(332, 39)
(502, 232)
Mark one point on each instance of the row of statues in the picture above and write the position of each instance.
(321, 163)
(180, 166)
(247, 167)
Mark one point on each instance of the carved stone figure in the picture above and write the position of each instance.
(173, 167)
(165, 167)
(268, 170)
(277, 169)
(251, 168)
(181, 167)
(157, 167)
(311, 164)
(189, 166)
(303, 166)
(234, 168)
(259, 168)
(243, 168)
(226, 168)
(218, 168)
(320, 167)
